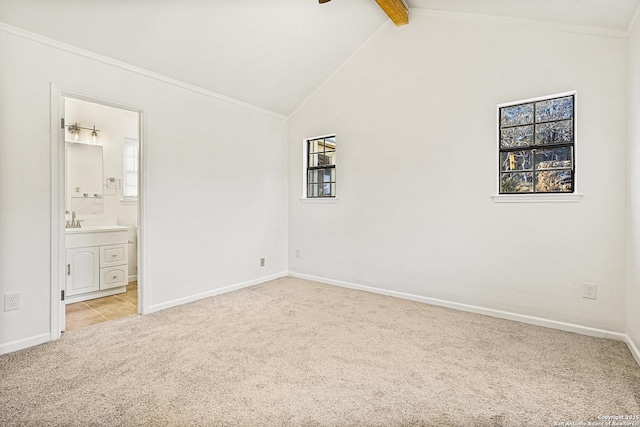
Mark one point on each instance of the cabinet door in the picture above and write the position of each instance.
(83, 270)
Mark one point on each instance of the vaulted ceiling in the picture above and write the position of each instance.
(271, 54)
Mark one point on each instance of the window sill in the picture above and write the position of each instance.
(537, 198)
(319, 201)
(128, 201)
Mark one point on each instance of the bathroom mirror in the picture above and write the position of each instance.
(83, 178)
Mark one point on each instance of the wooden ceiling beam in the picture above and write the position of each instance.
(396, 10)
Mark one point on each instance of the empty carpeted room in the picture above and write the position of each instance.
(344, 212)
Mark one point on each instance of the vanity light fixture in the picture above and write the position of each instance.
(75, 130)
(94, 135)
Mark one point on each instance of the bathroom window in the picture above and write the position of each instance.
(130, 182)
(536, 145)
(320, 159)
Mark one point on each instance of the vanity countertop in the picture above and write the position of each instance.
(95, 229)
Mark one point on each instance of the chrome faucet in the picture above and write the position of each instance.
(74, 223)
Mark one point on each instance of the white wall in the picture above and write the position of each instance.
(633, 282)
(215, 183)
(415, 118)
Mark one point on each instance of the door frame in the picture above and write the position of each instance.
(58, 253)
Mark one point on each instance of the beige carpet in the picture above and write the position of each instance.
(292, 352)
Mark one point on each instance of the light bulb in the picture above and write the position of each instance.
(74, 130)
(94, 135)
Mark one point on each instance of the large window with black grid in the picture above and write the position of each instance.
(321, 167)
(536, 145)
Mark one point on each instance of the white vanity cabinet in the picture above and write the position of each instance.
(83, 265)
(97, 262)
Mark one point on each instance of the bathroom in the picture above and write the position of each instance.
(101, 212)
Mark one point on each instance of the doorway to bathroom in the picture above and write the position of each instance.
(96, 220)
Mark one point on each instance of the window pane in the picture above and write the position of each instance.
(516, 182)
(554, 158)
(516, 115)
(314, 146)
(329, 175)
(554, 109)
(312, 190)
(555, 181)
(130, 191)
(327, 158)
(521, 136)
(326, 190)
(313, 160)
(330, 142)
(554, 132)
(128, 163)
(327, 144)
(516, 160)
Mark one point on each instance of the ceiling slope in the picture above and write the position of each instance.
(270, 54)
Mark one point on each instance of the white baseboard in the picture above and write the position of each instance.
(180, 301)
(133, 278)
(633, 348)
(531, 320)
(12, 346)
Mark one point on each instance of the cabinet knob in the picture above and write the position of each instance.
(114, 277)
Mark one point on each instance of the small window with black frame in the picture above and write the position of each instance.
(536, 145)
(321, 167)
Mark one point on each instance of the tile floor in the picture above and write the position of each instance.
(100, 310)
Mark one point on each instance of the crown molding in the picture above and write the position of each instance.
(46, 41)
(550, 25)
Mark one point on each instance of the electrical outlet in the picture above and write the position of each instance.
(297, 253)
(11, 302)
(261, 262)
(589, 290)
